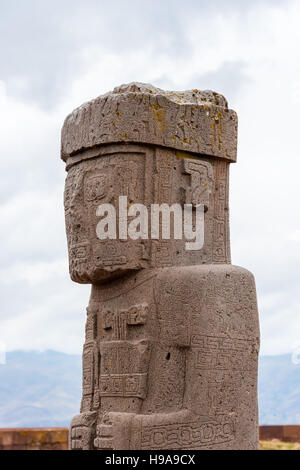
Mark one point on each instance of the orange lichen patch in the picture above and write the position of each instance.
(216, 124)
(218, 116)
(159, 113)
(180, 155)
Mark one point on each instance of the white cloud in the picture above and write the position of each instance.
(40, 308)
(247, 53)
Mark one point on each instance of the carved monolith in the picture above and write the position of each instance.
(172, 335)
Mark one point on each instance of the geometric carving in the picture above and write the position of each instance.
(200, 189)
(82, 431)
(187, 436)
(213, 353)
(124, 357)
(108, 254)
(220, 237)
(96, 188)
(80, 251)
(79, 435)
(118, 321)
(123, 385)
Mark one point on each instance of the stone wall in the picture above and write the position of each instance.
(34, 439)
(285, 433)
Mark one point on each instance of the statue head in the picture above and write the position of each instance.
(146, 146)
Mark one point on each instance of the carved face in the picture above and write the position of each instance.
(144, 176)
(92, 183)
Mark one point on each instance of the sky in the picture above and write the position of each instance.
(55, 55)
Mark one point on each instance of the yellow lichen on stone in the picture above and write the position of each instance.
(220, 129)
(217, 127)
(180, 155)
(159, 113)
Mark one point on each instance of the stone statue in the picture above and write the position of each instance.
(172, 335)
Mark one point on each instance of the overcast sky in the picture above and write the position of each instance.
(56, 54)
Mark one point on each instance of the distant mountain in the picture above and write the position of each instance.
(279, 390)
(44, 389)
(39, 389)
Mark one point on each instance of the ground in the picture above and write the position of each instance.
(275, 444)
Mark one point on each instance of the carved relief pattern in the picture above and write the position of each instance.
(90, 365)
(200, 189)
(187, 436)
(163, 194)
(118, 321)
(123, 385)
(220, 232)
(222, 353)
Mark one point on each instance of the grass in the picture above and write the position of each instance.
(275, 444)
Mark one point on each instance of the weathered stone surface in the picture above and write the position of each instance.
(194, 121)
(172, 336)
(145, 175)
(178, 370)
